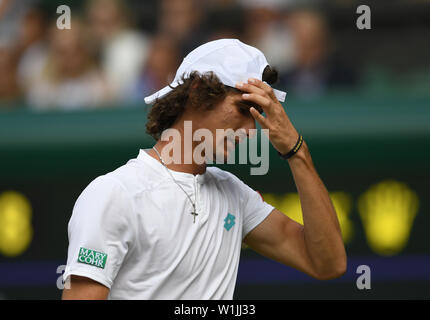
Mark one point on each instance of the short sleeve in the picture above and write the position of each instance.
(255, 209)
(100, 230)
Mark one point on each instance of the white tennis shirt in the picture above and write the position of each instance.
(132, 231)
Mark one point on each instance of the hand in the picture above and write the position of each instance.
(282, 133)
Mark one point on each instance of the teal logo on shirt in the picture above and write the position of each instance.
(229, 221)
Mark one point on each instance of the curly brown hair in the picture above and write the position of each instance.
(198, 91)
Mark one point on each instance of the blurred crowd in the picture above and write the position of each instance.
(117, 52)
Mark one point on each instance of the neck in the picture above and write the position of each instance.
(186, 163)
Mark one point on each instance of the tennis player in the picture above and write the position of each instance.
(154, 229)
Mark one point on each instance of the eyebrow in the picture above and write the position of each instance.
(243, 104)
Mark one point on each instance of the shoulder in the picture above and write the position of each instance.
(134, 177)
(227, 178)
(112, 190)
(103, 191)
(221, 175)
(104, 203)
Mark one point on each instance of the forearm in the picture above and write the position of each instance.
(321, 232)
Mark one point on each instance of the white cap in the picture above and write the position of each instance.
(230, 60)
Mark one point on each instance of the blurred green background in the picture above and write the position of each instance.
(71, 109)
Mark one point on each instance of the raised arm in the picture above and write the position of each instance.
(315, 248)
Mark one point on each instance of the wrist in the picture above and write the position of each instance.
(302, 155)
(292, 151)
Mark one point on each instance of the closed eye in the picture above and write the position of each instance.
(244, 107)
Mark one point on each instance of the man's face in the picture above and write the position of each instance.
(232, 119)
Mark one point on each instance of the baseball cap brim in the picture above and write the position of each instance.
(280, 95)
(159, 94)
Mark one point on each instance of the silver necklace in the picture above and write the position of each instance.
(194, 213)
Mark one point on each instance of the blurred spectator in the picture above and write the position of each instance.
(11, 13)
(122, 49)
(70, 79)
(9, 90)
(31, 47)
(225, 20)
(266, 30)
(160, 68)
(183, 20)
(114, 62)
(317, 67)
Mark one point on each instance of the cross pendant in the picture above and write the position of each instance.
(194, 214)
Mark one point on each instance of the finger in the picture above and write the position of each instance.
(249, 88)
(258, 117)
(262, 101)
(263, 86)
